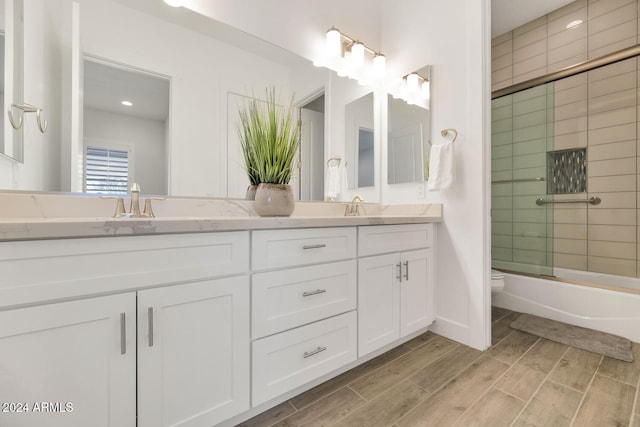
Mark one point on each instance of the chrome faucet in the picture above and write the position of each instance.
(134, 206)
(353, 208)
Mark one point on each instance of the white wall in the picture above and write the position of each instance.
(145, 136)
(453, 37)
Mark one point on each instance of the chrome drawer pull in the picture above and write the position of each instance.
(316, 351)
(123, 333)
(316, 292)
(406, 270)
(321, 245)
(399, 276)
(150, 317)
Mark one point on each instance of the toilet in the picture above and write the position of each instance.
(497, 281)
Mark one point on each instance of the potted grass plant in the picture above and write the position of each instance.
(270, 137)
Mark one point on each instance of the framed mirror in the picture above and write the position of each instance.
(408, 133)
(11, 66)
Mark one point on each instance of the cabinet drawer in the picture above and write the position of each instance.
(380, 239)
(290, 298)
(35, 271)
(289, 248)
(290, 359)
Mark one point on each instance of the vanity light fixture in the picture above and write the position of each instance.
(174, 3)
(414, 89)
(127, 103)
(351, 58)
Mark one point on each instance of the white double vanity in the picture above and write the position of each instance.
(202, 319)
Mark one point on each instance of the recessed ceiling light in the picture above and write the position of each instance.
(574, 24)
(174, 3)
(127, 103)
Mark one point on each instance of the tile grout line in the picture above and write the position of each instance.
(295, 410)
(586, 390)
(528, 402)
(634, 407)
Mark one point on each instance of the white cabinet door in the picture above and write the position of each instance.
(378, 302)
(69, 364)
(416, 291)
(193, 353)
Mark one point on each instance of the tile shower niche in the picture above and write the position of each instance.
(567, 171)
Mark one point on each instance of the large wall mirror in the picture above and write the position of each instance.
(11, 80)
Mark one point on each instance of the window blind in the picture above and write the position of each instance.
(107, 170)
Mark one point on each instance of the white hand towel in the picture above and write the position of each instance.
(332, 182)
(441, 166)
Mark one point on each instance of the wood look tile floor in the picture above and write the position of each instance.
(522, 380)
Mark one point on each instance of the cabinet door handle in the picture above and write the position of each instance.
(321, 245)
(150, 317)
(313, 352)
(123, 333)
(406, 270)
(316, 292)
(399, 276)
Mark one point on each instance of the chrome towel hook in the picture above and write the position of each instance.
(27, 108)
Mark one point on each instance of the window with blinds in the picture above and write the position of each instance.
(107, 171)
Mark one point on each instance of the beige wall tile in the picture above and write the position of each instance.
(530, 243)
(566, 62)
(569, 215)
(612, 118)
(569, 82)
(613, 101)
(526, 66)
(614, 19)
(501, 113)
(574, 262)
(501, 102)
(537, 48)
(626, 200)
(501, 138)
(619, 250)
(570, 140)
(530, 133)
(568, 111)
(537, 103)
(503, 125)
(614, 150)
(530, 75)
(570, 246)
(502, 62)
(501, 85)
(611, 184)
(502, 74)
(606, 49)
(570, 231)
(530, 119)
(533, 172)
(502, 151)
(572, 41)
(624, 132)
(612, 233)
(501, 38)
(538, 216)
(578, 4)
(622, 267)
(501, 241)
(530, 147)
(612, 70)
(612, 216)
(577, 124)
(529, 94)
(502, 49)
(600, 7)
(611, 84)
(502, 254)
(570, 95)
(612, 167)
(534, 25)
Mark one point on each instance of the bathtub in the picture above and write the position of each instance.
(590, 306)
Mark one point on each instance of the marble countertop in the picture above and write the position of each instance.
(25, 216)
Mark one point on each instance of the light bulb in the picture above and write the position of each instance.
(357, 55)
(412, 82)
(425, 89)
(174, 3)
(334, 44)
(127, 103)
(379, 65)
